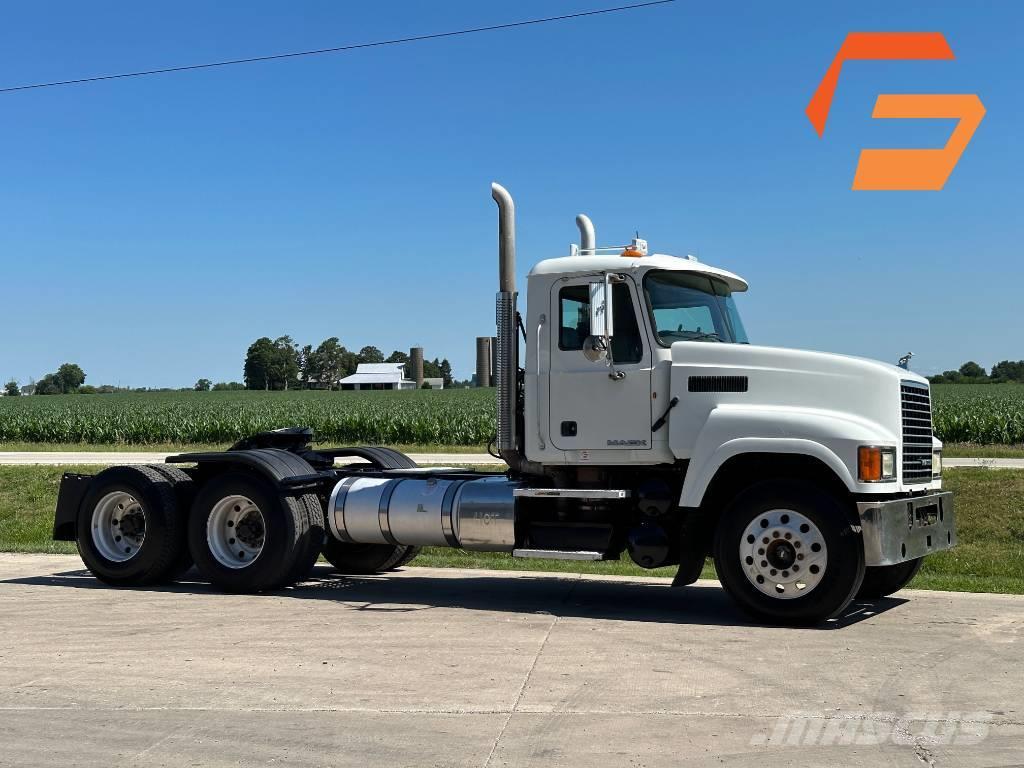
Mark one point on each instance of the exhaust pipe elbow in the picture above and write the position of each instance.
(588, 241)
(506, 238)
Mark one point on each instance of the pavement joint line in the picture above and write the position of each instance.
(529, 674)
(874, 717)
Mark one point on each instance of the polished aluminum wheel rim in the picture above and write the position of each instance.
(118, 526)
(235, 531)
(783, 554)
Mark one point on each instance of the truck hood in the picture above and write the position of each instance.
(782, 359)
(850, 388)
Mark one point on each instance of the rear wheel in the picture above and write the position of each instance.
(130, 529)
(787, 553)
(246, 537)
(883, 580)
(367, 558)
(184, 493)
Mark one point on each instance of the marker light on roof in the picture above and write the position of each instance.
(636, 249)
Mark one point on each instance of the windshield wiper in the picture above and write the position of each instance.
(703, 335)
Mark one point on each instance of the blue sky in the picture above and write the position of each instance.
(150, 229)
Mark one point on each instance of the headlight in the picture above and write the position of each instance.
(876, 464)
(936, 463)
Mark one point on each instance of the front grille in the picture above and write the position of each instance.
(917, 432)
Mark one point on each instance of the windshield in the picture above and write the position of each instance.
(686, 306)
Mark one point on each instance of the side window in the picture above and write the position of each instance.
(627, 346)
(574, 322)
(573, 316)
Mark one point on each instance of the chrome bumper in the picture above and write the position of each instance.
(906, 529)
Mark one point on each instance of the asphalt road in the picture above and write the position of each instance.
(432, 667)
(110, 457)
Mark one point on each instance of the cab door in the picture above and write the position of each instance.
(590, 409)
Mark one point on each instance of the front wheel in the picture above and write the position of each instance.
(883, 580)
(787, 553)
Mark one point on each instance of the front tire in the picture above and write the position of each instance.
(246, 537)
(787, 553)
(881, 581)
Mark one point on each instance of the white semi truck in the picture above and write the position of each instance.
(634, 417)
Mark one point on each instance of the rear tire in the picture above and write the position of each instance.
(184, 494)
(883, 580)
(787, 553)
(131, 531)
(314, 539)
(410, 555)
(246, 537)
(359, 559)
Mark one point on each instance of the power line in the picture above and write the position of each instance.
(341, 48)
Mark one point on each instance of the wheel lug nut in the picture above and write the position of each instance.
(775, 534)
(789, 535)
(799, 557)
(785, 574)
(231, 541)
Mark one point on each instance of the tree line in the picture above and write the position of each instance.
(270, 364)
(972, 373)
(281, 364)
(66, 380)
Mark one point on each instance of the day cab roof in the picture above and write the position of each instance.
(588, 264)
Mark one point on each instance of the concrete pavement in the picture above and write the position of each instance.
(430, 667)
(111, 457)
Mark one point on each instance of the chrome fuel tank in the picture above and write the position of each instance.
(476, 514)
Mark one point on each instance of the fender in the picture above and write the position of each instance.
(287, 471)
(829, 436)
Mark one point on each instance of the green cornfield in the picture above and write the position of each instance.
(440, 417)
(985, 414)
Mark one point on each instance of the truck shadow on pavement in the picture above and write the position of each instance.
(586, 598)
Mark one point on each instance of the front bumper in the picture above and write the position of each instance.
(905, 529)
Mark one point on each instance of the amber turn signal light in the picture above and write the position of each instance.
(876, 464)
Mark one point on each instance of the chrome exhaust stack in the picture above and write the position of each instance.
(588, 240)
(507, 358)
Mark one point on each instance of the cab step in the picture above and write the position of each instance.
(558, 554)
(571, 493)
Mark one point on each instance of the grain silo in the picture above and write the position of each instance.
(416, 366)
(483, 361)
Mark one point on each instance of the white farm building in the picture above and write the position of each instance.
(378, 376)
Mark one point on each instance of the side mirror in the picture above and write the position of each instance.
(601, 322)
